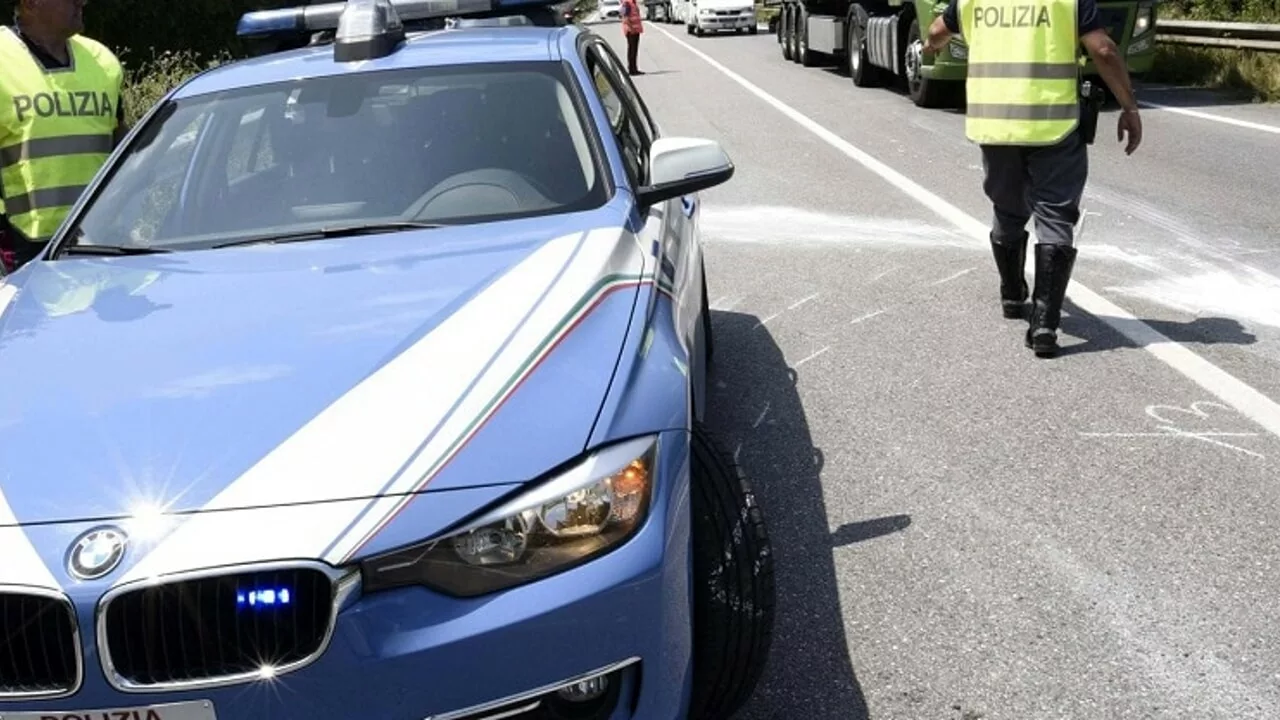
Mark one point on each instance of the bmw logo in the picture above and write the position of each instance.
(96, 553)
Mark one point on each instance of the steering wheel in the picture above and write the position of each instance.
(485, 191)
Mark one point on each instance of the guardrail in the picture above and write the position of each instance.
(1208, 33)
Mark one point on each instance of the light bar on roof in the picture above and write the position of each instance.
(317, 18)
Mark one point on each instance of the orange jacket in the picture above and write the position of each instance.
(632, 23)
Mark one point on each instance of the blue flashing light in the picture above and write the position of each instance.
(269, 22)
(263, 598)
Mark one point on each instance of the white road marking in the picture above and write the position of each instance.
(1214, 118)
(823, 350)
(725, 304)
(868, 316)
(882, 274)
(762, 323)
(1245, 399)
(801, 301)
(949, 278)
(760, 419)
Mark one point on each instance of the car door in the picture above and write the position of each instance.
(671, 224)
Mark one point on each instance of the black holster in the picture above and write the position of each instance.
(1091, 99)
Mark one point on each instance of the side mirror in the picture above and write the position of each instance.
(681, 166)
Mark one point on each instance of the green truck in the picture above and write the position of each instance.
(886, 37)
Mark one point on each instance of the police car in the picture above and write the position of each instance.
(368, 380)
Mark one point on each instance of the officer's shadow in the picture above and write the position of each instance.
(1083, 332)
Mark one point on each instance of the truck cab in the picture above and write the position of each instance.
(881, 43)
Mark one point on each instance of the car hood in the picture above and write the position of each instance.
(313, 372)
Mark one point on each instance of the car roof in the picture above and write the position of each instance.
(433, 48)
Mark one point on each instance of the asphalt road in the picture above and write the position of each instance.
(963, 530)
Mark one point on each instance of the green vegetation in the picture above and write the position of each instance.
(1257, 73)
(162, 43)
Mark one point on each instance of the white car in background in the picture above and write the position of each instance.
(702, 16)
(610, 10)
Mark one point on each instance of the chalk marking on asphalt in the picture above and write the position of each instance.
(729, 304)
(883, 274)
(761, 323)
(1214, 118)
(949, 278)
(1155, 412)
(1173, 432)
(760, 419)
(1226, 387)
(812, 356)
(1167, 427)
(801, 301)
(1166, 434)
(868, 316)
(798, 227)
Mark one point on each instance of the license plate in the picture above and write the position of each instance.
(197, 710)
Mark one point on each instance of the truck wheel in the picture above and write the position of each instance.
(863, 73)
(733, 590)
(803, 56)
(924, 92)
(784, 32)
(791, 32)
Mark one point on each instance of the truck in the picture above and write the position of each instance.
(881, 43)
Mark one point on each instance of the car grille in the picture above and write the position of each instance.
(217, 628)
(39, 653)
(1114, 20)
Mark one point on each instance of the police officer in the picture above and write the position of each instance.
(1024, 111)
(61, 114)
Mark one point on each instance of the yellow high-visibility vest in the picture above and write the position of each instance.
(55, 129)
(1023, 70)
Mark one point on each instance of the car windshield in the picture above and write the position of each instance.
(446, 145)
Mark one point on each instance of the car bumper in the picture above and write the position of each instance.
(412, 653)
(727, 22)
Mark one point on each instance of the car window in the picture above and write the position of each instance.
(629, 91)
(448, 145)
(628, 131)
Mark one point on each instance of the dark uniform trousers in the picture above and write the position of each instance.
(1046, 183)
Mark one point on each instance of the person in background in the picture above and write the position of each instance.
(61, 115)
(1024, 111)
(632, 26)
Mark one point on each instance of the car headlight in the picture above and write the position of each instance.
(576, 516)
(1144, 20)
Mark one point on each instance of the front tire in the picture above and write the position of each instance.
(733, 593)
(924, 92)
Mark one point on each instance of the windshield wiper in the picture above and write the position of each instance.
(332, 232)
(112, 250)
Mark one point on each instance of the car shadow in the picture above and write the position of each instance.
(1083, 332)
(953, 104)
(809, 671)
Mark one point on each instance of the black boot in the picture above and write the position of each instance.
(1011, 261)
(1053, 271)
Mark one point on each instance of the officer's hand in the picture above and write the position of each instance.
(1129, 123)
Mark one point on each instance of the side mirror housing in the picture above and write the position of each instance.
(680, 166)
